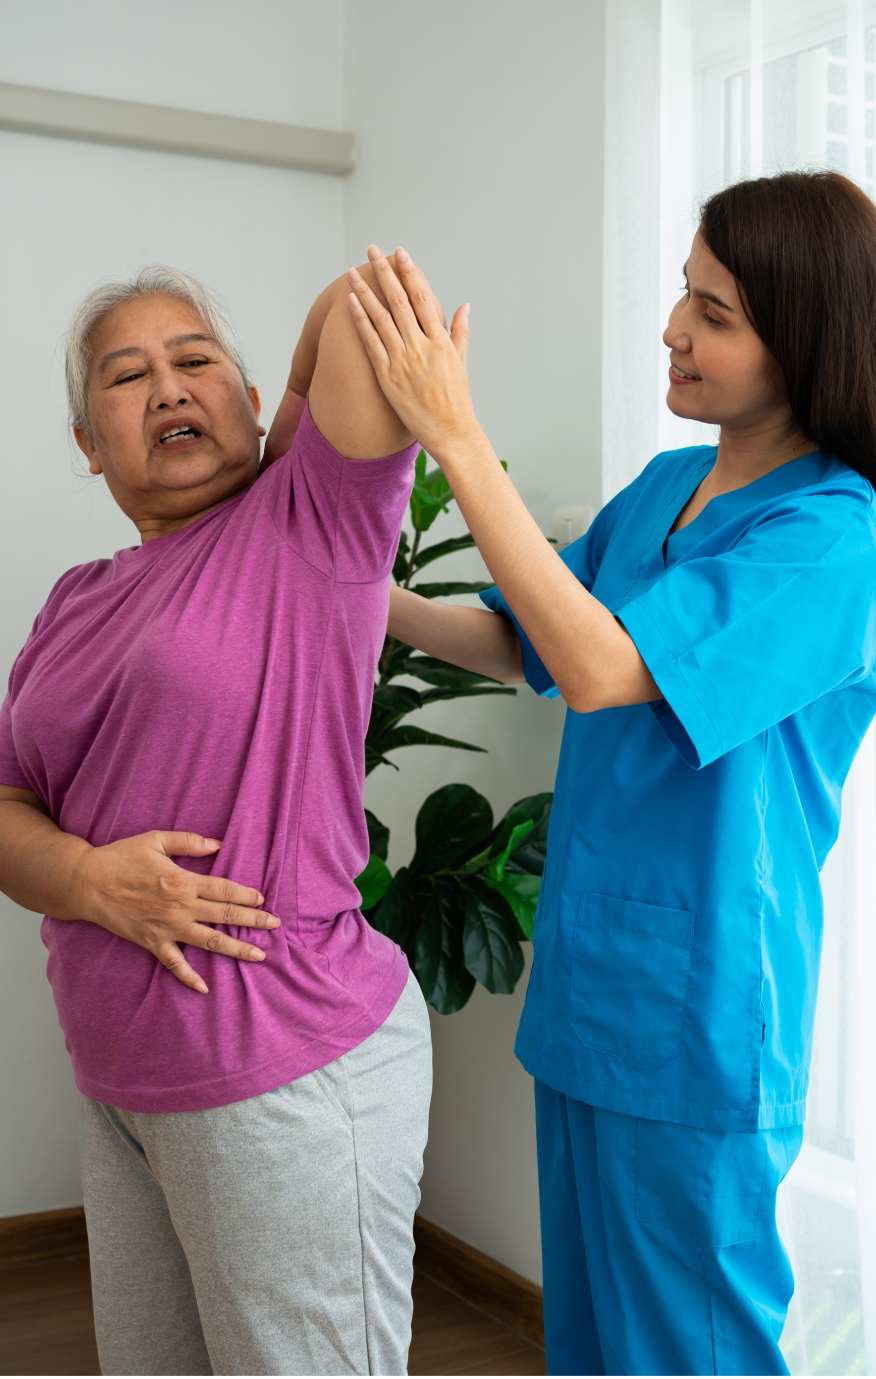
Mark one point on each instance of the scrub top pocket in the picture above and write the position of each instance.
(629, 976)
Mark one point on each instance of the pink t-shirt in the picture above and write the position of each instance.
(219, 680)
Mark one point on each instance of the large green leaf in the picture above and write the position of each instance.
(515, 839)
(490, 944)
(431, 696)
(442, 673)
(398, 913)
(374, 759)
(392, 658)
(373, 882)
(400, 565)
(446, 590)
(440, 959)
(389, 704)
(530, 855)
(451, 824)
(442, 548)
(520, 890)
(408, 735)
(431, 494)
(396, 698)
(504, 838)
(378, 836)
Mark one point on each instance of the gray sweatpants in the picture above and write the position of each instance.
(272, 1236)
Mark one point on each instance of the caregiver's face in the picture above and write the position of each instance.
(720, 370)
(174, 430)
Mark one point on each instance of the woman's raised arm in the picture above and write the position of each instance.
(346, 400)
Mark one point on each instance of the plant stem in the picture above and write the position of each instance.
(410, 573)
(391, 643)
(389, 647)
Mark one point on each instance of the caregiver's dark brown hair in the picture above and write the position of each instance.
(802, 247)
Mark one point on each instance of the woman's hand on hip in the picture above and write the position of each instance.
(419, 367)
(133, 889)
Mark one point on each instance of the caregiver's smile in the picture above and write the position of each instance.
(720, 371)
(677, 375)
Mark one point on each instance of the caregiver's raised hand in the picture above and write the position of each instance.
(419, 367)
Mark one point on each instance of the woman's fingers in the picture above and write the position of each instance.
(459, 331)
(419, 293)
(169, 955)
(242, 917)
(224, 892)
(182, 844)
(369, 336)
(214, 942)
(382, 322)
(202, 936)
(396, 295)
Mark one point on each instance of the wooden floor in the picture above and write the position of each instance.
(46, 1327)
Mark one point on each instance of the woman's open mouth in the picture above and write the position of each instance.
(175, 434)
(677, 375)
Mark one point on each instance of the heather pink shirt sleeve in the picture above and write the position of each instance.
(10, 768)
(340, 515)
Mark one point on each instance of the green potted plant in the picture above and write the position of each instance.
(462, 907)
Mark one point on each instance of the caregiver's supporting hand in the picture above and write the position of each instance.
(130, 887)
(345, 402)
(421, 370)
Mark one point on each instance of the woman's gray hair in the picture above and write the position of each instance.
(157, 279)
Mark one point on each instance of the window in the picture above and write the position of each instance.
(701, 93)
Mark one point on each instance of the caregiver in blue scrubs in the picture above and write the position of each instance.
(714, 637)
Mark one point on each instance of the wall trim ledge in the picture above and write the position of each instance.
(98, 119)
(504, 1295)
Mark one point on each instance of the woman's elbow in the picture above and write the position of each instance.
(584, 693)
(511, 677)
(580, 703)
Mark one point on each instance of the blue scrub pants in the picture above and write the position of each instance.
(661, 1253)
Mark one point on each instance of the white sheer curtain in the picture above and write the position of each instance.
(701, 93)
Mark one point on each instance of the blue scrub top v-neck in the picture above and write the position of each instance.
(678, 932)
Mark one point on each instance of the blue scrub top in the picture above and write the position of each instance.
(678, 934)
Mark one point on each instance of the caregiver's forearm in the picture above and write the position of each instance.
(38, 862)
(592, 659)
(469, 637)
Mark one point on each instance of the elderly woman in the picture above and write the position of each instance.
(181, 752)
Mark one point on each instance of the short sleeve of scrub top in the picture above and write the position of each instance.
(742, 640)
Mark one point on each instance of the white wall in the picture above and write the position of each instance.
(481, 129)
(268, 239)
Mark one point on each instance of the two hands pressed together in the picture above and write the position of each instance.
(421, 370)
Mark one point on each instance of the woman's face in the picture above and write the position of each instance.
(721, 372)
(174, 429)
